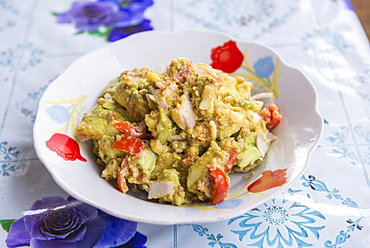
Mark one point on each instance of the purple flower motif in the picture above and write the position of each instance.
(89, 16)
(264, 67)
(112, 237)
(58, 113)
(110, 19)
(119, 33)
(132, 11)
(56, 222)
(138, 241)
(349, 4)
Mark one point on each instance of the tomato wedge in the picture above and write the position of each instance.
(272, 116)
(231, 161)
(128, 128)
(129, 144)
(220, 183)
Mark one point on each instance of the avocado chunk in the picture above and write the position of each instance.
(198, 178)
(250, 156)
(96, 124)
(167, 188)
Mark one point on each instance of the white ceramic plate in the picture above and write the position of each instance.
(75, 91)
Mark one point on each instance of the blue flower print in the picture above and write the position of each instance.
(112, 238)
(58, 113)
(120, 33)
(132, 11)
(264, 67)
(264, 73)
(56, 222)
(279, 223)
(138, 241)
(109, 19)
(88, 16)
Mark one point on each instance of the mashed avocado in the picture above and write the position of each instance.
(177, 134)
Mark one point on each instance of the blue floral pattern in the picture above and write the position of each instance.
(323, 49)
(111, 19)
(339, 137)
(8, 7)
(213, 240)
(364, 76)
(264, 72)
(264, 67)
(21, 56)
(324, 41)
(8, 153)
(318, 185)
(252, 11)
(279, 223)
(9, 157)
(7, 169)
(367, 156)
(66, 112)
(6, 25)
(56, 222)
(263, 15)
(25, 106)
(58, 113)
(344, 153)
(344, 235)
(364, 97)
(365, 135)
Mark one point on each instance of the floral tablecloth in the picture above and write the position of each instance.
(329, 206)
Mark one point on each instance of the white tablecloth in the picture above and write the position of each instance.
(328, 207)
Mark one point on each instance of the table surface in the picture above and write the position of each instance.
(330, 203)
(362, 9)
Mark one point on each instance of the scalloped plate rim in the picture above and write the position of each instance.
(187, 219)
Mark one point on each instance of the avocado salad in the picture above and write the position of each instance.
(178, 133)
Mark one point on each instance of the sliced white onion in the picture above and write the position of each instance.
(186, 113)
(213, 130)
(173, 87)
(157, 98)
(177, 138)
(262, 145)
(160, 189)
(160, 85)
(253, 116)
(107, 96)
(263, 95)
(152, 102)
(270, 136)
(162, 67)
(207, 97)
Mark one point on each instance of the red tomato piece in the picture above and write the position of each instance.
(129, 144)
(127, 128)
(221, 184)
(272, 116)
(231, 161)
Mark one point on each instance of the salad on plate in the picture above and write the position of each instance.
(178, 133)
